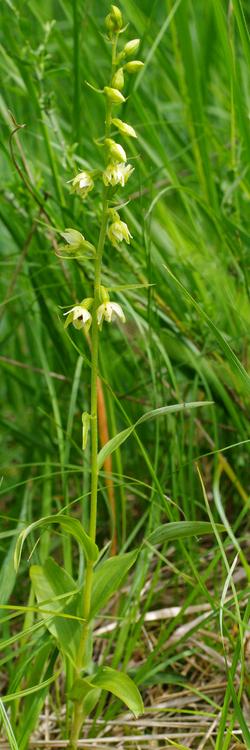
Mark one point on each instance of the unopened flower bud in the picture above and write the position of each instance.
(124, 128)
(134, 66)
(114, 20)
(116, 151)
(114, 95)
(118, 79)
(131, 48)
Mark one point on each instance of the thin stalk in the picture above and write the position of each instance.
(76, 67)
(78, 716)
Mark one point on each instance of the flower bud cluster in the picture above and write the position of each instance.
(113, 21)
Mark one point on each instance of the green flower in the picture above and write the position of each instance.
(82, 184)
(117, 232)
(79, 316)
(109, 311)
(117, 174)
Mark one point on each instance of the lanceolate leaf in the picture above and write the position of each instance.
(121, 685)
(107, 579)
(117, 440)
(69, 525)
(173, 531)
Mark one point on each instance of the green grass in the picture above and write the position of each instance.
(184, 283)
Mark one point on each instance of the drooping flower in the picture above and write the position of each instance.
(117, 232)
(82, 184)
(117, 174)
(124, 128)
(116, 151)
(109, 311)
(79, 316)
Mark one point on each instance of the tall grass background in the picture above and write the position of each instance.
(186, 339)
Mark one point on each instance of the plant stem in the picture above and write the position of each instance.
(78, 716)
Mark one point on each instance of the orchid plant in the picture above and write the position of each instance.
(102, 577)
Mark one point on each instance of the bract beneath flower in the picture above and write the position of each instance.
(117, 174)
(109, 311)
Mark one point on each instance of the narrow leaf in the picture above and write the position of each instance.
(175, 530)
(118, 439)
